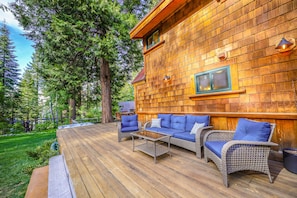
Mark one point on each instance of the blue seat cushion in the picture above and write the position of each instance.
(215, 147)
(129, 121)
(164, 130)
(165, 120)
(192, 119)
(178, 122)
(185, 136)
(129, 129)
(252, 131)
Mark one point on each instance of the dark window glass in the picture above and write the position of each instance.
(153, 39)
(213, 80)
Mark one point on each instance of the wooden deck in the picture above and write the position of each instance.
(101, 167)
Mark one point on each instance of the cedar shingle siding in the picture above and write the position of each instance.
(191, 39)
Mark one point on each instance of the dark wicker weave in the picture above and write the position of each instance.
(239, 155)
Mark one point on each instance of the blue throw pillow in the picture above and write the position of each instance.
(252, 131)
(178, 122)
(129, 120)
(192, 119)
(165, 120)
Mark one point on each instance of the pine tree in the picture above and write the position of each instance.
(29, 107)
(9, 73)
(84, 43)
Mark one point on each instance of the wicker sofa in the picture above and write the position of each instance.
(180, 128)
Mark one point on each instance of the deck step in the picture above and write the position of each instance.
(51, 181)
(59, 181)
(38, 184)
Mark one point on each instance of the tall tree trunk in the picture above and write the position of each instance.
(78, 102)
(61, 117)
(72, 109)
(105, 91)
(51, 109)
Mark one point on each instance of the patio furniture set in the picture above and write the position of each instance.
(246, 148)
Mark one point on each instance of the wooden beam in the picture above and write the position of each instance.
(259, 115)
(155, 17)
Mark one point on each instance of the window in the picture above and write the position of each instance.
(213, 81)
(153, 39)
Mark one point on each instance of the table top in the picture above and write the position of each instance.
(150, 135)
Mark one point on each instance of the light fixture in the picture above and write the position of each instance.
(166, 78)
(222, 56)
(285, 45)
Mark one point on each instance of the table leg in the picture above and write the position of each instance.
(133, 144)
(169, 146)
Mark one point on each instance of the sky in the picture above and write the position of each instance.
(23, 47)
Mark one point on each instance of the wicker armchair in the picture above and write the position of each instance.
(128, 124)
(232, 154)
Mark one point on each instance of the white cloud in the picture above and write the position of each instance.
(8, 17)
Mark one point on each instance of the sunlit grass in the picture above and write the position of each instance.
(15, 164)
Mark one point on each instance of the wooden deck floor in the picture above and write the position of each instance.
(101, 167)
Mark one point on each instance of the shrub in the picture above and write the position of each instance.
(28, 168)
(45, 126)
(88, 115)
(17, 127)
(42, 153)
(4, 128)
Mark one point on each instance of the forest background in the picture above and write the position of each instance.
(83, 63)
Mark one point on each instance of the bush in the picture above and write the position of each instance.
(28, 168)
(42, 153)
(45, 126)
(4, 128)
(90, 113)
(17, 127)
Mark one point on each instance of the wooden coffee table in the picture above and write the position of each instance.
(152, 143)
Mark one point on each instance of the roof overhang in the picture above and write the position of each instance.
(140, 77)
(155, 17)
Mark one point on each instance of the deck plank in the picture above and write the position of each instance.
(100, 166)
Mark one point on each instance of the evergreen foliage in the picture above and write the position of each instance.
(9, 76)
(29, 107)
(84, 55)
(9, 72)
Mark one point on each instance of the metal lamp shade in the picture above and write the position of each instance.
(283, 44)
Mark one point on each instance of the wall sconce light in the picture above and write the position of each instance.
(222, 56)
(285, 45)
(166, 78)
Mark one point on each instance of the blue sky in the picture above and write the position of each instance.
(23, 47)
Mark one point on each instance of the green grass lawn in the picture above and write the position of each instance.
(16, 165)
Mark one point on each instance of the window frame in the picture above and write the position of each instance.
(210, 75)
(154, 42)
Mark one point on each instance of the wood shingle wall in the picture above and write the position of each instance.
(247, 30)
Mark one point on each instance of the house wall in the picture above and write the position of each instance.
(247, 30)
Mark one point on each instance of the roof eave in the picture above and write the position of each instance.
(155, 17)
